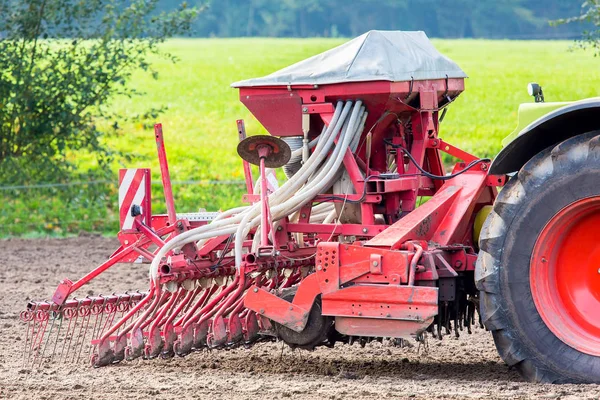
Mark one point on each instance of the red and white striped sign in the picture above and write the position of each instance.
(134, 189)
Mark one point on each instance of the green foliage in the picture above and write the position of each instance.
(590, 15)
(61, 63)
(439, 18)
(200, 128)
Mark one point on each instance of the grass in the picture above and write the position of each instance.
(200, 129)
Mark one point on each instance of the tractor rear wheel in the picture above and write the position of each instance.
(539, 265)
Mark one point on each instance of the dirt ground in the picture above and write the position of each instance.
(30, 269)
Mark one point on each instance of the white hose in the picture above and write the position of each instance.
(315, 175)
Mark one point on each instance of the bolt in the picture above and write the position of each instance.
(375, 264)
(255, 290)
(319, 268)
(303, 215)
(359, 313)
(279, 228)
(262, 310)
(127, 242)
(599, 270)
(291, 308)
(544, 259)
(365, 230)
(247, 97)
(388, 315)
(484, 167)
(305, 109)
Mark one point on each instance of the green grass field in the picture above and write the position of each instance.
(200, 129)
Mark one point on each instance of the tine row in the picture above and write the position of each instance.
(63, 332)
(170, 319)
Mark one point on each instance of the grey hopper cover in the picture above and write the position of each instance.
(374, 56)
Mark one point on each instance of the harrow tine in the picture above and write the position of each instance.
(25, 317)
(42, 318)
(69, 336)
(60, 316)
(75, 317)
(96, 310)
(87, 316)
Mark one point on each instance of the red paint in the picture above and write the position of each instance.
(164, 173)
(565, 275)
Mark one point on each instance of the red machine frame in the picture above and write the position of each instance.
(381, 277)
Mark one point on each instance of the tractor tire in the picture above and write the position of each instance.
(538, 269)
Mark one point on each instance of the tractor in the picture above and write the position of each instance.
(369, 236)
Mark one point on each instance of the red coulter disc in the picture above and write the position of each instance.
(565, 275)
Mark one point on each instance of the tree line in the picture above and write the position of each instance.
(511, 19)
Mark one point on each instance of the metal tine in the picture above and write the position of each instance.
(75, 320)
(34, 330)
(30, 326)
(40, 334)
(88, 310)
(69, 334)
(130, 303)
(111, 310)
(81, 317)
(111, 317)
(99, 313)
(58, 315)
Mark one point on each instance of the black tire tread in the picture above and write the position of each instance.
(496, 306)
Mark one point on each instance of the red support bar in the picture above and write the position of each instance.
(164, 172)
(149, 233)
(452, 150)
(247, 171)
(341, 229)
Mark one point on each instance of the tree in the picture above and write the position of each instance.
(590, 16)
(61, 62)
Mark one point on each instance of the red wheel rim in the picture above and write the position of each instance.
(565, 275)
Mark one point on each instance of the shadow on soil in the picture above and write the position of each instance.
(302, 362)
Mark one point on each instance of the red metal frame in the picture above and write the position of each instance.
(381, 280)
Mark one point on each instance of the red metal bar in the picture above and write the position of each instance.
(369, 198)
(264, 229)
(452, 150)
(342, 229)
(164, 173)
(247, 170)
(85, 302)
(149, 233)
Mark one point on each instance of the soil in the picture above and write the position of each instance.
(468, 367)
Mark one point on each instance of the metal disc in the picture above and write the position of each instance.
(280, 151)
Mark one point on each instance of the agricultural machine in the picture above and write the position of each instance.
(370, 236)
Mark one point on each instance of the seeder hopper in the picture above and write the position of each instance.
(370, 236)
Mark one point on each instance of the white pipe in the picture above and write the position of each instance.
(291, 196)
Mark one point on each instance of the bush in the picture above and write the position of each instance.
(61, 63)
